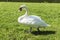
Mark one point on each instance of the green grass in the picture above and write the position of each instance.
(10, 29)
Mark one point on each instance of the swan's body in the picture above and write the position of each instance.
(33, 20)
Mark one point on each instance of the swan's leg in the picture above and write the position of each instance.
(30, 29)
(38, 29)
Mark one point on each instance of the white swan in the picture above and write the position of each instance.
(32, 20)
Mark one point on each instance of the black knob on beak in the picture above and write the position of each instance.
(20, 9)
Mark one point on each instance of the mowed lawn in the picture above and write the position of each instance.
(10, 29)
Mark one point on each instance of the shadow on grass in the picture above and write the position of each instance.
(43, 32)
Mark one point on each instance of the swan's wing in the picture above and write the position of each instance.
(42, 23)
(37, 21)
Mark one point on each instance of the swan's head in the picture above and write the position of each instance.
(22, 6)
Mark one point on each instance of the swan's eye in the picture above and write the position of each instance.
(20, 9)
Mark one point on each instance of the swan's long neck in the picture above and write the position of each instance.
(26, 13)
